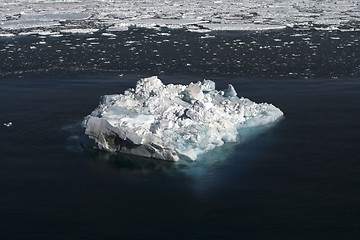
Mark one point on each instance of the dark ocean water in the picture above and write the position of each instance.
(298, 179)
(289, 53)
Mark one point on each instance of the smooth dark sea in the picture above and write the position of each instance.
(298, 179)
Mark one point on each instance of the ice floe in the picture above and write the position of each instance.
(207, 14)
(172, 122)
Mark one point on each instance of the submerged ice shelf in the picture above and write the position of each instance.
(172, 122)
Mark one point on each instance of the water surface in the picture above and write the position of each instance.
(296, 180)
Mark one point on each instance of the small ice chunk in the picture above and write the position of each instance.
(230, 91)
(8, 124)
(193, 93)
(207, 86)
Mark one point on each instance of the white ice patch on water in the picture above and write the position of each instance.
(242, 27)
(6, 35)
(79, 30)
(171, 122)
(7, 124)
(37, 20)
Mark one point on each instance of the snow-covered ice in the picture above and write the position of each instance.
(195, 15)
(172, 122)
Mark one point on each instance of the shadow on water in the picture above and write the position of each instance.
(202, 173)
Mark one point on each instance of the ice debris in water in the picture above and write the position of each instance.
(9, 124)
(173, 122)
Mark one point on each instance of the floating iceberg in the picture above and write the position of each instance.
(172, 122)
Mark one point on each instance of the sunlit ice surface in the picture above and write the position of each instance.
(197, 16)
(171, 122)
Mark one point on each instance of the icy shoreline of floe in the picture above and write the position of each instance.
(172, 122)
